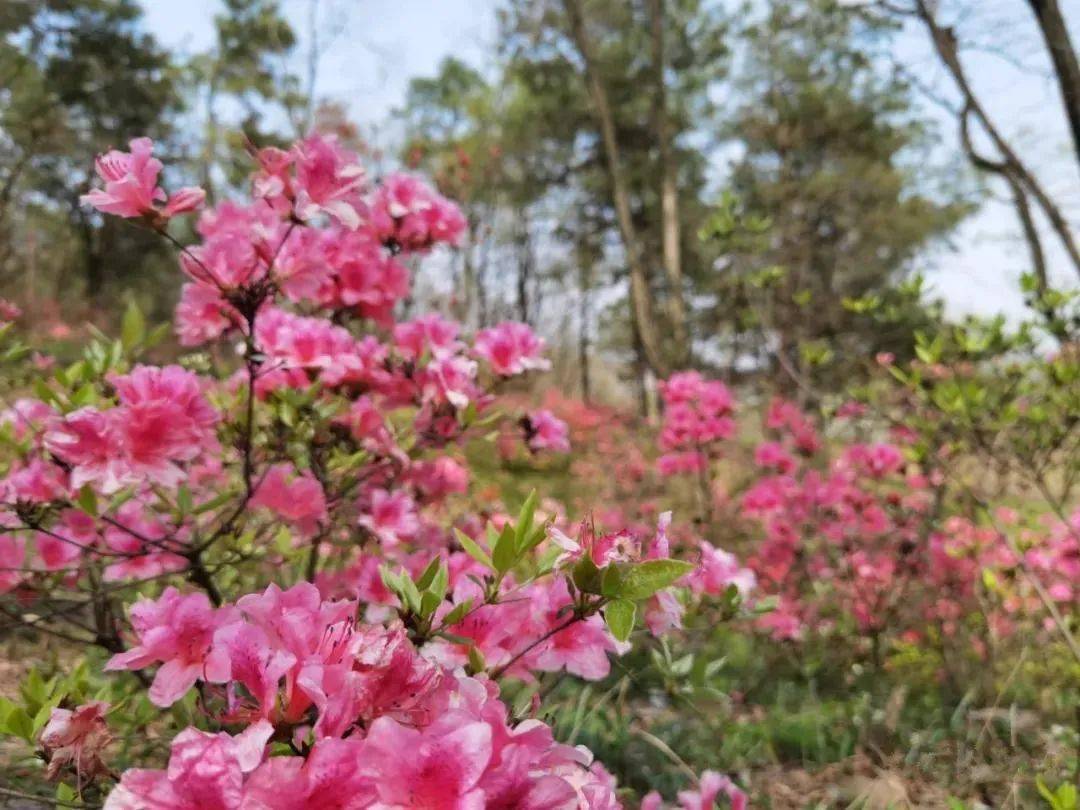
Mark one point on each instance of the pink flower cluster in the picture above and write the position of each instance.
(711, 786)
(352, 698)
(853, 522)
(510, 349)
(161, 420)
(332, 449)
(131, 186)
(697, 417)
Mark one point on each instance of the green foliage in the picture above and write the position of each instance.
(78, 78)
(1063, 798)
(825, 197)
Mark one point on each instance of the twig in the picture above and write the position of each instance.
(46, 801)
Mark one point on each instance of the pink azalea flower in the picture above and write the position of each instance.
(317, 346)
(450, 378)
(131, 188)
(436, 479)
(130, 181)
(254, 663)
(407, 215)
(205, 772)
(581, 648)
(328, 178)
(295, 619)
(66, 541)
(511, 348)
(712, 785)
(12, 560)
(162, 419)
(429, 334)
(177, 631)
(368, 426)
(603, 549)
(717, 570)
(202, 315)
(390, 516)
(545, 431)
(36, 482)
(297, 499)
(77, 737)
(27, 417)
(9, 311)
(772, 455)
(441, 771)
(378, 672)
(145, 540)
(330, 778)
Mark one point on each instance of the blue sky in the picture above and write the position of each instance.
(371, 48)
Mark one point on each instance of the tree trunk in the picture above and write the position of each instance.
(584, 317)
(640, 301)
(468, 271)
(525, 268)
(1056, 33)
(669, 193)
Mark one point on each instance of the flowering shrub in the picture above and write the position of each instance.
(854, 538)
(323, 614)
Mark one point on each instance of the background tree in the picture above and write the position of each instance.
(246, 87)
(79, 76)
(828, 145)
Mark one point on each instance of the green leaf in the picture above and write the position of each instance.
(504, 555)
(619, 616)
(457, 614)
(87, 500)
(66, 793)
(476, 661)
(534, 539)
(6, 708)
(441, 582)
(611, 582)
(214, 503)
(391, 580)
(183, 500)
(646, 578)
(429, 603)
(20, 724)
(525, 521)
(587, 576)
(429, 574)
(34, 689)
(410, 592)
(472, 549)
(133, 326)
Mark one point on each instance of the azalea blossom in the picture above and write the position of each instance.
(545, 431)
(131, 188)
(511, 348)
(77, 737)
(176, 631)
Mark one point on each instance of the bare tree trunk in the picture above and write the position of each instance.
(468, 271)
(584, 318)
(525, 268)
(640, 301)
(944, 41)
(482, 313)
(1056, 33)
(669, 193)
(210, 136)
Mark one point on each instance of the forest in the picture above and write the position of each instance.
(539, 404)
